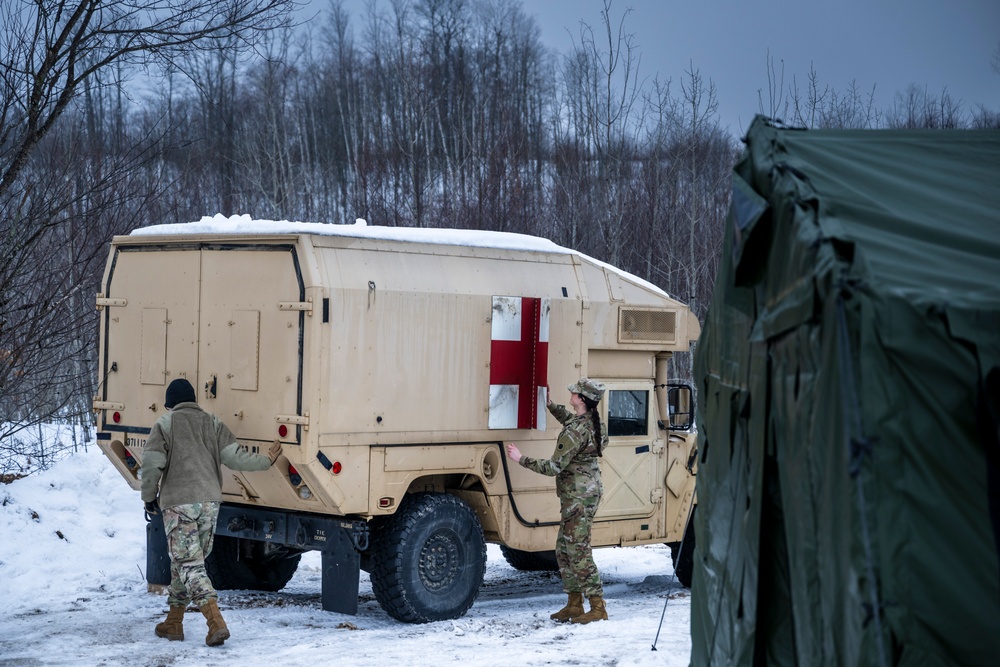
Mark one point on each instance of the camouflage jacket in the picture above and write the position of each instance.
(575, 463)
(183, 455)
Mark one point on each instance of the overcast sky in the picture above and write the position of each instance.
(889, 44)
(886, 44)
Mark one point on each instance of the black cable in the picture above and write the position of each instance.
(673, 578)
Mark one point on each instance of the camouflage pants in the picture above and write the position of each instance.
(190, 532)
(573, 551)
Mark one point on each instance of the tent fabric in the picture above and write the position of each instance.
(849, 384)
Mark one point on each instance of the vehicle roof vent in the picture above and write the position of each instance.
(637, 325)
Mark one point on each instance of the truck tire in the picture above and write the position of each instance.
(682, 554)
(530, 561)
(236, 564)
(428, 559)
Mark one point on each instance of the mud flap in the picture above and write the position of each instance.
(341, 574)
(157, 555)
(339, 541)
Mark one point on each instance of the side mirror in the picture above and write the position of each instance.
(680, 403)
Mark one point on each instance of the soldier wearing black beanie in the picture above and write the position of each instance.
(182, 470)
(179, 391)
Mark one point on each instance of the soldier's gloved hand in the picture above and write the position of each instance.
(152, 507)
(275, 451)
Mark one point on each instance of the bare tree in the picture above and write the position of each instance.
(705, 157)
(51, 49)
(776, 106)
(505, 120)
(819, 105)
(605, 70)
(337, 133)
(65, 188)
(985, 119)
(659, 198)
(917, 108)
(84, 193)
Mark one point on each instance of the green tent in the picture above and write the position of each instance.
(849, 390)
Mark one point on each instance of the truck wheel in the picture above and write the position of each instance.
(684, 559)
(530, 561)
(236, 564)
(428, 560)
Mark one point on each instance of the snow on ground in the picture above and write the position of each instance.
(73, 591)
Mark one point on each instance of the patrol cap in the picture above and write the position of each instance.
(592, 389)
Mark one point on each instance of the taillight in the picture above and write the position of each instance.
(283, 431)
(336, 467)
(293, 476)
(116, 417)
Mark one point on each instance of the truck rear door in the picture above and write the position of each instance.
(250, 340)
(227, 318)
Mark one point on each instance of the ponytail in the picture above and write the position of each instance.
(595, 420)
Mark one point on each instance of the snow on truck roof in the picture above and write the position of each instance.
(245, 224)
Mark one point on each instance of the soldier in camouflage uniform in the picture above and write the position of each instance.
(576, 466)
(181, 462)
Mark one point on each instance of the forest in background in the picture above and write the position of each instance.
(423, 113)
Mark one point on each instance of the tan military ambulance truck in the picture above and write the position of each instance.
(392, 364)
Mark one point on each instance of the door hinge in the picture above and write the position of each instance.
(298, 420)
(108, 301)
(296, 305)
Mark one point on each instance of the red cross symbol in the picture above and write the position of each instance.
(519, 356)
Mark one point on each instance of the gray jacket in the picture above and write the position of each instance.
(184, 454)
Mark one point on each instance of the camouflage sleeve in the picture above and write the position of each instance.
(560, 412)
(154, 460)
(567, 446)
(235, 457)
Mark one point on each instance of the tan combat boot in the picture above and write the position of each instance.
(218, 633)
(597, 612)
(574, 607)
(173, 627)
